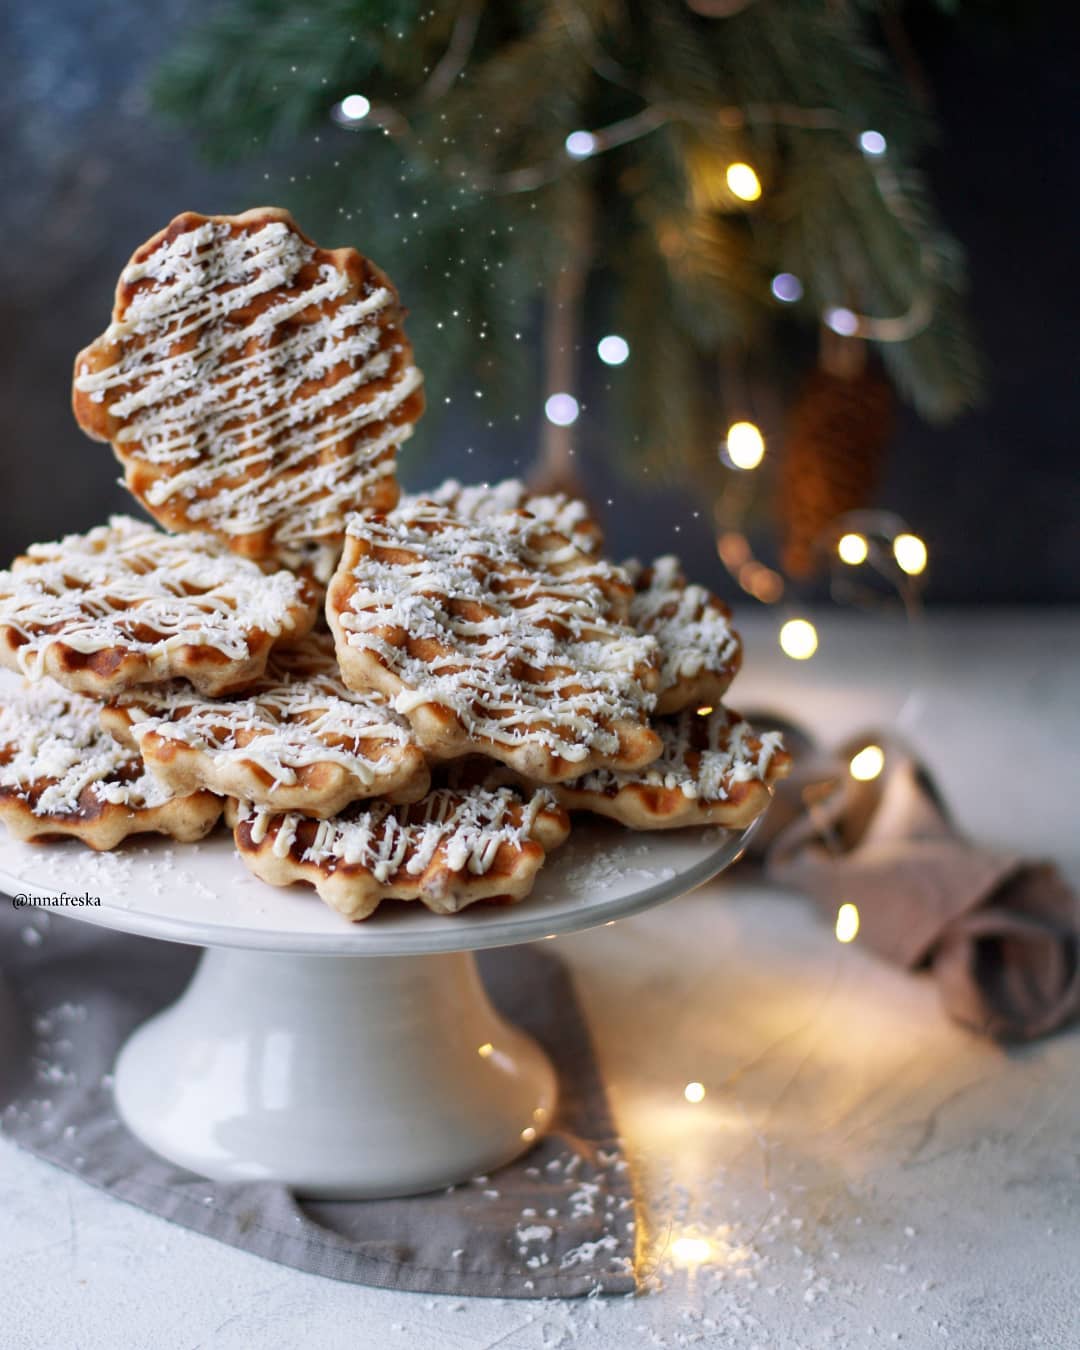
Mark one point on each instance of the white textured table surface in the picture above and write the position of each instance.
(863, 1172)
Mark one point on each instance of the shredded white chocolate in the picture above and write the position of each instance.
(692, 628)
(481, 501)
(53, 750)
(127, 585)
(703, 757)
(504, 627)
(466, 828)
(299, 713)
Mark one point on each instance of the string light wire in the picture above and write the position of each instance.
(871, 144)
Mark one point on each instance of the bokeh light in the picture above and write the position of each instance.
(842, 321)
(787, 287)
(745, 445)
(580, 144)
(691, 1251)
(868, 763)
(853, 548)
(562, 409)
(910, 554)
(733, 548)
(613, 350)
(761, 582)
(847, 923)
(743, 182)
(354, 107)
(798, 639)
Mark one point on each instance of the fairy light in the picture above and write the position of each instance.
(691, 1251)
(853, 548)
(867, 764)
(613, 350)
(528, 1134)
(742, 179)
(798, 639)
(841, 320)
(694, 1092)
(705, 710)
(767, 586)
(761, 582)
(873, 143)
(486, 1050)
(745, 445)
(562, 409)
(747, 577)
(580, 144)
(847, 923)
(910, 554)
(353, 108)
(733, 548)
(787, 287)
(743, 182)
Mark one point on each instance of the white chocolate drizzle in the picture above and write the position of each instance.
(253, 412)
(54, 750)
(703, 758)
(319, 559)
(465, 829)
(298, 714)
(480, 501)
(692, 627)
(541, 663)
(104, 589)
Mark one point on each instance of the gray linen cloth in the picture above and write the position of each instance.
(558, 1222)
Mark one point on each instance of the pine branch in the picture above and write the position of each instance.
(262, 71)
(489, 93)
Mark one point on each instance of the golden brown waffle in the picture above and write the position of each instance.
(62, 775)
(298, 740)
(448, 850)
(714, 770)
(700, 652)
(125, 605)
(492, 637)
(252, 384)
(481, 501)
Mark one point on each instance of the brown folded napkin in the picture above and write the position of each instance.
(1000, 934)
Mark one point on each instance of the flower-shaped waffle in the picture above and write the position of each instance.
(493, 636)
(480, 501)
(700, 653)
(62, 774)
(715, 770)
(298, 740)
(448, 850)
(252, 384)
(125, 605)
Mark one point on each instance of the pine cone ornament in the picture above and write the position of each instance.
(834, 455)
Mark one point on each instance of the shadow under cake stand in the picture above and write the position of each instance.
(288, 1059)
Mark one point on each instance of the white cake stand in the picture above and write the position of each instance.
(287, 1059)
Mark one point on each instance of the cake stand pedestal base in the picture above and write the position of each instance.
(345, 1060)
(337, 1077)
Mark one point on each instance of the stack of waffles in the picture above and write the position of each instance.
(384, 696)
